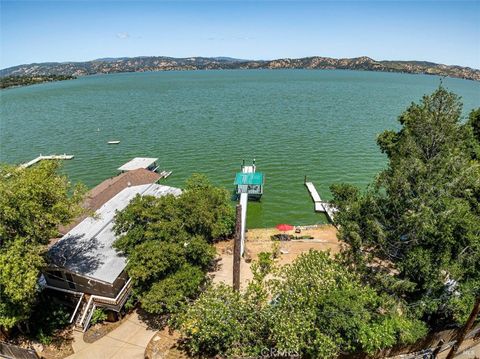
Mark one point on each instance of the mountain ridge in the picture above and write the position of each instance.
(165, 63)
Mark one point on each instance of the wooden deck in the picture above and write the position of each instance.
(50, 157)
(319, 205)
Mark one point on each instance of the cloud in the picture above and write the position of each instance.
(123, 35)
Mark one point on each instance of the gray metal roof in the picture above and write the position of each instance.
(87, 248)
(138, 162)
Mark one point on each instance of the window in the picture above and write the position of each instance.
(69, 279)
(54, 274)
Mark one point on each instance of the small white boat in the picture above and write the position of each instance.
(113, 142)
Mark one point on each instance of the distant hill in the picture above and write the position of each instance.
(162, 63)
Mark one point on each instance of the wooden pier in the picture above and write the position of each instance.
(41, 158)
(321, 206)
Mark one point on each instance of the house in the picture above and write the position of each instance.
(83, 263)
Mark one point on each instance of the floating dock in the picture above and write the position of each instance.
(321, 206)
(51, 157)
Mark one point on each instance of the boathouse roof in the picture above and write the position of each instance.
(255, 178)
(138, 162)
(88, 250)
(103, 192)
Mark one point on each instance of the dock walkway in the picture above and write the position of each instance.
(41, 158)
(244, 204)
(321, 206)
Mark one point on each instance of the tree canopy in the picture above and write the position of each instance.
(168, 242)
(33, 203)
(415, 232)
(314, 307)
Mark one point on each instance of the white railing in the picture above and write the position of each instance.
(76, 308)
(102, 300)
(85, 311)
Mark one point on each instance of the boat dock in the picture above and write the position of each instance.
(165, 174)
(243, 222)
(321, 206)
(248, 185)
(41, 158)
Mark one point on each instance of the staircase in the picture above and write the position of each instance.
(88, 303)
(84, 311)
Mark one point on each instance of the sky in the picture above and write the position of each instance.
(445, 32)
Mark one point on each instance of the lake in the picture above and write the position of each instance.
(316, 123)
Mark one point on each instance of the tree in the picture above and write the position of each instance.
(319, 308)
(414, 233)
(201, 210)
(168, 242)
(33, 203)
(473, 130)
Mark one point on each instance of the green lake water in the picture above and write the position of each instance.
(322, 124)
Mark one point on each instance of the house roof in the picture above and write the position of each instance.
(138, 162)
(87, 248)
(106, 190)
(255, 178)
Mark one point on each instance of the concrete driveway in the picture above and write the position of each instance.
(127, 341)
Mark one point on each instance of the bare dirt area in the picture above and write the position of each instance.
(60, 347)
(324, 237)
(99, 330)
(164, 345)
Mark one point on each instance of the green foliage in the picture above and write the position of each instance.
(170, 293)
(20, 263)
(207, 210)
(320, 308)
(474, 123)
(168, 242)
(33, 203)
(13, 81)
(327, 303)
(223, 322)
(264, 263)
(201, 210)
(48, 317)
(98, 316)
(44, 338)
(414, 232)
(472, 127)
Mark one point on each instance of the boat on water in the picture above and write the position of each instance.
(113, 142)
(248, 180)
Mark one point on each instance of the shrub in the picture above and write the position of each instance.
(98, 316)
(319, 309)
